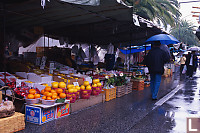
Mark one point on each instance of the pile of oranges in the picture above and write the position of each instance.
(50, 94)
(32, 94)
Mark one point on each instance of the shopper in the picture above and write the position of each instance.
(182, 62)
(155, 61)
(191, 59)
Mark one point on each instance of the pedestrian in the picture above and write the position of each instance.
(191, 59)
(182, 62)
(155, 61)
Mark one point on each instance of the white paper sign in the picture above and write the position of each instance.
(76, 83)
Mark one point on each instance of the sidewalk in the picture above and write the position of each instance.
(118, 115)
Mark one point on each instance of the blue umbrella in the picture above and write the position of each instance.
(163, 38)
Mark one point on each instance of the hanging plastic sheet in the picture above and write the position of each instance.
(81, 53)
(83, 2)
(135, 50)
(110, 49)
(75, 49)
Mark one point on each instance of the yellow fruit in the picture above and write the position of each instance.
(88, 87)
(82, 87)
(62, 85)
(71, 90)
(30, 96)
(86, 83)
(94, 85)
(95, 81)
(85, 92)
(69, 86)
(99, 84)
(37, 96)
(44, 118)
(75, 90)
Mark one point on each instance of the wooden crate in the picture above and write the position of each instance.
(110, 94)
(138, 84)
(12, 124)
(129, 88)
(120, 91)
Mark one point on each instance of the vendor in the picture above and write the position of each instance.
(118, 64)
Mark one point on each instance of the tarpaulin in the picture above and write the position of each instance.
(134, 50)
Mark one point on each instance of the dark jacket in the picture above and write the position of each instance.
(156, 59)
(188, 60)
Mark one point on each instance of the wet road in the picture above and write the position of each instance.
(136, 112)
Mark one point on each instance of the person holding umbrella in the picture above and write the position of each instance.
(155, 60)
(191, 59)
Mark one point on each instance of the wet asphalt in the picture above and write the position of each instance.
(135, 112)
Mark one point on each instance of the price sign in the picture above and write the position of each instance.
(76, 83)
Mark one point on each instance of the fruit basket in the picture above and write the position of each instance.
(96, 90)
(71, 96)
(85, 94)
(48, 102)
(32, 101)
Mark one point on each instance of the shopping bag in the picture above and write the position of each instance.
(184, 69)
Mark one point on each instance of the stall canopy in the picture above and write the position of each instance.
(110, 22)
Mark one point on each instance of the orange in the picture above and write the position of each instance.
(48, 98)
(44, 118)
(42, 91)
(47, 88)
(54, 97)
(53, 91)
(62, 95)
(32, 91)
(54, 94)
(49, 94)
(46, 93)
(44, 97)
(58, 97)
(59, 91)
(30, 96)
(37, 96)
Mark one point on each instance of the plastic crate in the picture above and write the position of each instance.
(110, 94)
(120, 90)
(138, 85)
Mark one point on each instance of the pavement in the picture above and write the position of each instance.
(178, 99)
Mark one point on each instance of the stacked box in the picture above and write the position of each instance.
(129, 88)
(12, 124)
(138, 84)
(110, 94)
(120, 91)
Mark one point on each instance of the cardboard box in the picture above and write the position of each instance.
(0, 96)
(38, 115)
(39, 78)
(62, 110)
(65, 79)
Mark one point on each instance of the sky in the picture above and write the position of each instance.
(186, 9)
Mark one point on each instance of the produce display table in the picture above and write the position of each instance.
(84, 103)
(13, 123)
(40, 113)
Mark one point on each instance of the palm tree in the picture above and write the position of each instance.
(184, 33)
(165, 11)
